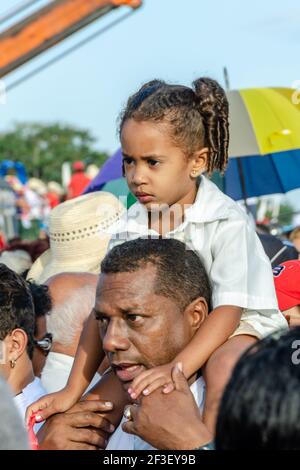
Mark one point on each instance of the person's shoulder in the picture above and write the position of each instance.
(217, 205)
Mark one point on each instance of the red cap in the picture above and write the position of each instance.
(79, 165)
(287, 284)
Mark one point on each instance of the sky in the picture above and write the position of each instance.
(176, 40)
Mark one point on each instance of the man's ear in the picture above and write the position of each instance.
(197, 312)
(18, 341)
(199, 162)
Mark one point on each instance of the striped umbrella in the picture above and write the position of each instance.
(264, 147)
(264, 142)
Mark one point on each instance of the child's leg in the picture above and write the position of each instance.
(217, 372)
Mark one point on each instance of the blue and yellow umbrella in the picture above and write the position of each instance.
(264, 146)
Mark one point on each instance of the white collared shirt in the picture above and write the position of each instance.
(120, 440)
(220, 232)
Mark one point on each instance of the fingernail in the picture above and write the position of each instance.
(179, 366)
(108, 404)
(133, 395)
(38, 418)
(129, 390)
(111, 428)
(146, 391)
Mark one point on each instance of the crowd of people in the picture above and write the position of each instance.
(164, 326)
(25, 210)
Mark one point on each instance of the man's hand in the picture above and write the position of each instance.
(170, 422)
(81, 428)
(151, 380)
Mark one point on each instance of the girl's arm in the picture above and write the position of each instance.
(89, 356)
(213, 332)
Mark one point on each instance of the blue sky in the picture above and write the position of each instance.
(177, 40)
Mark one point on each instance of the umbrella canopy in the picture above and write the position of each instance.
(264, 142)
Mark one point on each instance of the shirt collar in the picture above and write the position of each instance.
(210, 203)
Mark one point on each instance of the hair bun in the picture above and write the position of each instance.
(211, 95)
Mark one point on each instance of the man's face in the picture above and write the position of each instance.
(39, 356)
(139, 328)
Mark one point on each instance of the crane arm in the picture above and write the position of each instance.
(49, 26)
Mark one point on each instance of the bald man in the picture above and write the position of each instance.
(73, 297)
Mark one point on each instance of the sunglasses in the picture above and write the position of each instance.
(45, 343)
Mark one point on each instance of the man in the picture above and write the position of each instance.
(42, 339)
(287, 285)
(73, 297)
(79, 180)
(152, 296)
(295, 239)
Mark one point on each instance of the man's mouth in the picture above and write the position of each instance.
(126, 372)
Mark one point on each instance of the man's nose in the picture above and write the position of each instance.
(115, 338)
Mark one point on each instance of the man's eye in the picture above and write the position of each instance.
(153, 162)
(134, 318)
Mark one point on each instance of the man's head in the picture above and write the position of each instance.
(42, 339)
(17, 319)
(152, 297)
(295, 238)
(260, 408)
(73, 297)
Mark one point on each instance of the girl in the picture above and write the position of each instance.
(171, 135)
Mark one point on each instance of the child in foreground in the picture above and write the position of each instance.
(171, 135)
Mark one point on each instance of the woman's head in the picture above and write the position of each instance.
(188, 127)
(17, 319)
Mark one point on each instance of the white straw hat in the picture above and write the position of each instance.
(79, 235)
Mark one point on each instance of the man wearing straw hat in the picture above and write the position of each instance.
(79, 235)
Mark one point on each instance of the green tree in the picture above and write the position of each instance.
(44, 148)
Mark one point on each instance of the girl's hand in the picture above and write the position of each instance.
(51, 404)
(151, 380)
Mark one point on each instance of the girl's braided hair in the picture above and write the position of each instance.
(198, 116)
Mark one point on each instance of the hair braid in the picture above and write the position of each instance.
(214, 108)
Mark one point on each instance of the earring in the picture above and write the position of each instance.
(13, 363)
(194, 173)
